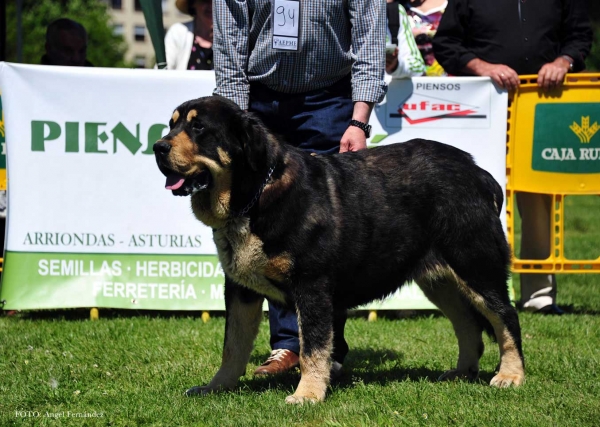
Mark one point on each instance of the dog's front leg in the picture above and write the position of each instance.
(244, 312)
(315, 321)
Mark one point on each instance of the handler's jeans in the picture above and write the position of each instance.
(315, 122)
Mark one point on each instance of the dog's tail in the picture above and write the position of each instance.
(494, 189)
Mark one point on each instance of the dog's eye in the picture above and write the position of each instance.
(197, 126)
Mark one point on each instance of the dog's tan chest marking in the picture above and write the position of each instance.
(243, 259)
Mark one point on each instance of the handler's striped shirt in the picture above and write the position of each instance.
(337, 37)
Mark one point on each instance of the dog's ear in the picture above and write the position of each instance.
(255, 140)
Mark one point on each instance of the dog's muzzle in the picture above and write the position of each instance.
(176, 182)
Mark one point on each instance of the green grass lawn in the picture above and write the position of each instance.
(132, 368)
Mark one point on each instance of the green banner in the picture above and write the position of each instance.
(133, 281)
(158, 282)
(566, 139)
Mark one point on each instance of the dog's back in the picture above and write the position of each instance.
(390, 213)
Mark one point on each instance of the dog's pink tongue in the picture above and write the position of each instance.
(174, 182)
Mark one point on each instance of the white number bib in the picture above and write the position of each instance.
(286, 25)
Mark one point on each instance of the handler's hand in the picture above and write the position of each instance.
(354, 139)
(553, 74)
(503, 76)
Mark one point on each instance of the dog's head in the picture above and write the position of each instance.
(211, 143)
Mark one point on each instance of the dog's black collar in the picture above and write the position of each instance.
(257, 195)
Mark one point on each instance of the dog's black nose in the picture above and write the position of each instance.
(161, 147)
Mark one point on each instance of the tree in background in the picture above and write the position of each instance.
(104, 48)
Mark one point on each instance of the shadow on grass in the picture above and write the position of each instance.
(569, 309)
(362, 365)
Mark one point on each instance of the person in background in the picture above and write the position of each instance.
(402, 58)
(424, 17)
(66, 44)
(502, 39)
(317, 96)
(188, 46)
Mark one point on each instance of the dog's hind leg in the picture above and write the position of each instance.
(340, 346)
(315, 322)
(244, 314)
(496, 307)
(440, 288)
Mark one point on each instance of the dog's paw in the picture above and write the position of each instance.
(455, 374)
(299, 400)
(506, 380)
(202, 390)
(197, 391)
(336, 370)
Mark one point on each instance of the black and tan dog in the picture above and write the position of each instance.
(322, 234)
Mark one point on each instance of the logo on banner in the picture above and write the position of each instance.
(439, 105)
(585, 132)
(93, 137)
(565, 138)
(422, 109)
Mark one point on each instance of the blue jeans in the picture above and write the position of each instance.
(315, 122)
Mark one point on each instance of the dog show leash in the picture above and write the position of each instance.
(257, 195)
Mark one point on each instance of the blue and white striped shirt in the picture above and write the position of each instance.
(337, 37)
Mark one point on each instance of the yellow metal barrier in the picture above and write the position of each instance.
(553, 147)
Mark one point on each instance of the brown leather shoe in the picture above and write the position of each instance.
(280, 361)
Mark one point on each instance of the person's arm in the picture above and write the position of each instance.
(407, 62)
(355, 139)
(450, 49)
(368, 21)
(230, 50)
(576, 40)
(576, 33)
(449, 46)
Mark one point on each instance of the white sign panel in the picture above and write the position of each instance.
(82, 172)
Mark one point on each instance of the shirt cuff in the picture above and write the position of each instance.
(463, 61)
(240, 96)
(369, 90)
(578, 62)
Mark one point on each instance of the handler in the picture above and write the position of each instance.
(312, 71)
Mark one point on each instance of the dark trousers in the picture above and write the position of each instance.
(314, 121)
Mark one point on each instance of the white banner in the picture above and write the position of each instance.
(467, 112)
(81, 165)
(90, 223)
